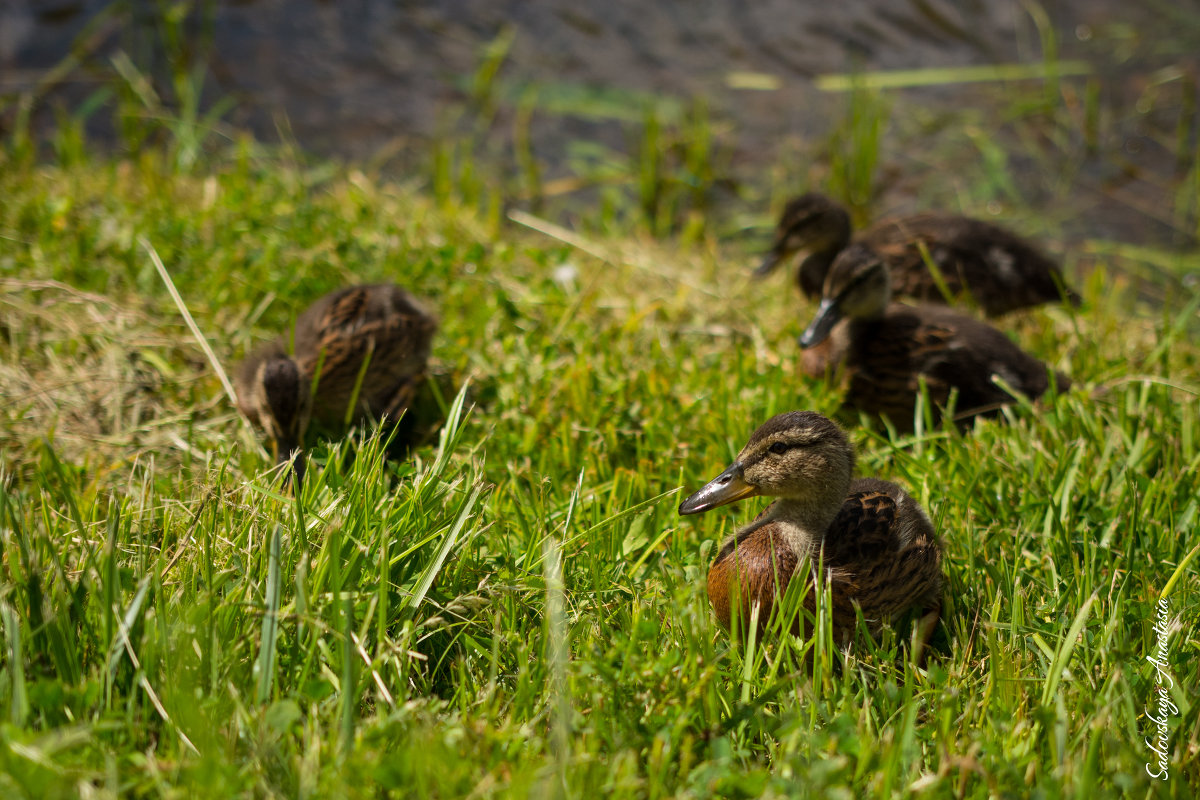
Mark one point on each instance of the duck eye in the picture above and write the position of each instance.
(779, 448)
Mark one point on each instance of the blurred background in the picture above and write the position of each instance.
(1073, 120)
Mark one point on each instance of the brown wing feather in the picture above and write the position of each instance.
(1000, 270)
(382, 323)
(885, 360)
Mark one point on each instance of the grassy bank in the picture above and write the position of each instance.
(518, 609)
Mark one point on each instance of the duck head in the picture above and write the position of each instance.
(799, 456)
(282, 404)
(858, 286)
(812, 223)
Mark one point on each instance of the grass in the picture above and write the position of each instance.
(517, 609)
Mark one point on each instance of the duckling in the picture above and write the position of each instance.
(876, 546)
(1001, 271)
(888, 348)
(356, 352)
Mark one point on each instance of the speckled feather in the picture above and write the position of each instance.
(1001, 271)
(884, 360)
(381, 322)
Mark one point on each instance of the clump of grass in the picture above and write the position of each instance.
(855, 146)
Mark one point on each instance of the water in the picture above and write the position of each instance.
(355, 78)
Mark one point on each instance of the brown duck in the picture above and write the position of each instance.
(886, 349)
(355, 353)
(877, 548)
(999, 270)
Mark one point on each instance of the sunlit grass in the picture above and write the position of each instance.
(183, 623)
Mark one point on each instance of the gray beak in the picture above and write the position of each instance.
(828, 315)
(727, 487)
(285, 451)
(772, 260)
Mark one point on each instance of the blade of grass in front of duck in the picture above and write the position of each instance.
(352, 404)
(18, 699)
(447, 440)
(264, 665)
(939, 280)
(451, 539)
(752, 654)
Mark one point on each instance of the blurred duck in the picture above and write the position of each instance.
(887, 349)
(876, 547)
(357, 353)
(999, 270)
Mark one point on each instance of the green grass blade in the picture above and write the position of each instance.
(451, 539)
(18, 700)
(264, 665)
(1066, 647)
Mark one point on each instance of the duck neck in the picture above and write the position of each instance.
(872, 310)
(807, 520)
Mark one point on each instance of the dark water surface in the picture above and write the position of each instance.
(352, 78)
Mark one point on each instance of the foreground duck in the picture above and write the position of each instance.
(877, 549)
(355, 353)
(888, 349)
(998, 269)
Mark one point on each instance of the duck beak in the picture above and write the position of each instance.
(282, 449)
(286, 450)
(299, 465)
(773, 260)
(728, 487)
(828, 315)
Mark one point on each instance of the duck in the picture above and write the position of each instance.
(877, 549)
(356, 353)
(997, 269)
(887, 350)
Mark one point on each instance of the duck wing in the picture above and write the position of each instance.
(999, 269)
(884, 556)
(888, 358)
(380, 326)
(978, 352)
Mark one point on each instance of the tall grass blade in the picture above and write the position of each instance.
(18, 701)
(1065, 648)
(451, 539)
(557, 649)
(264, 665)
(944, 76)
(191, 322)
(121, 642)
